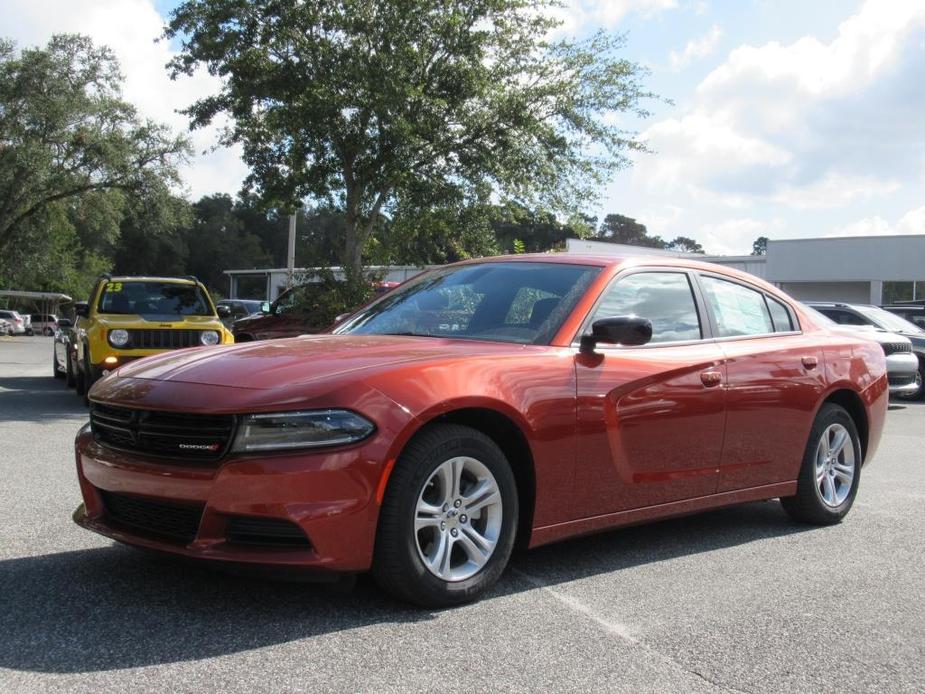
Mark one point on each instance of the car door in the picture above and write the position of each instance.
(650, 418)
(774, 379)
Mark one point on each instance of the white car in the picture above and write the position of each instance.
(20, 327)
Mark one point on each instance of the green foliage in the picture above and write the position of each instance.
(760, 246)
(67, 137)
(617, 228)
(683, 244)
(537, 231)
(368, 106)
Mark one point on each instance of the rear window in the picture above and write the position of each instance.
(153, 299)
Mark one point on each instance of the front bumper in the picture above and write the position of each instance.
(330, 496)
(901, 370)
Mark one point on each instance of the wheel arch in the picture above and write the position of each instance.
(852, 403)
(509, 436)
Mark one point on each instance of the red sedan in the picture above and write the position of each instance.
(513, 400)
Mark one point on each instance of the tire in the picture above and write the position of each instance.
(69, 379)
(80, 384)
(54, 366)
(825, 493)
(48, 332)
(30, 332)
(420, 481)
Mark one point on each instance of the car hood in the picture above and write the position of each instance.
(272, 364)
(871, 333)
(131, 320)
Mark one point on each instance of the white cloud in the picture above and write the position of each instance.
(799, 134)
(695, 49)
(131, 28)
(912, 222)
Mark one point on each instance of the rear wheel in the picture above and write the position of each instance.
(831, 470)
(448, 520)
(48, 332)
(69, 378)
(919, 393)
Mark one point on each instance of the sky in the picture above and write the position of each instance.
(787, 118)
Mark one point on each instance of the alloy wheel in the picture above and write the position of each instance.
(457, 519)
(835, 465)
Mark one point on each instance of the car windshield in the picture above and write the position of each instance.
(521, 302)
(154, 298)
(889, 321)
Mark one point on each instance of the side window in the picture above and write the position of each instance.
(843, 317)
(780, 316)
(665, 298)
(738, 309)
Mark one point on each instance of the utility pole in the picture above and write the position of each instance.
(290, 255)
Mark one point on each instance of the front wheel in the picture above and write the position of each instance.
(448, 520)
(831, 470)
(919, 392)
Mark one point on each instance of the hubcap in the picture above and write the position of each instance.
(835, 465)
(457, 520)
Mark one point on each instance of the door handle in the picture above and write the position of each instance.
(810, 362)
(711, 378)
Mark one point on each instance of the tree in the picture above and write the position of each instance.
(366, 104)
(683, 244)
(760, 246)
(619, 229)
(65, 132)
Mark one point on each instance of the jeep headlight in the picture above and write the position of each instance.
(118, 338)
(209, 337)
(309, 429)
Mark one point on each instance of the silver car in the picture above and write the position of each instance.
(902, 366)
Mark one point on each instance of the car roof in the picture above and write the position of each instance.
(173, 280)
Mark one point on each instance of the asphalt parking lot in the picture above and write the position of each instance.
(736, 600)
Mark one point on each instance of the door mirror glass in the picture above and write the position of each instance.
(629, 331)
(82, 309)
(223, 311)
(264, 306)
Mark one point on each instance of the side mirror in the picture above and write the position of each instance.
(265, 307)
(630, 331)
(223, 311)
(82, 309)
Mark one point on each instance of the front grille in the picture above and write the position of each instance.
(186, 437)
(276, 532)
(168, 520)
(897, 348)
(900, 380)
(163, 339)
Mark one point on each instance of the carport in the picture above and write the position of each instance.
(38, 302)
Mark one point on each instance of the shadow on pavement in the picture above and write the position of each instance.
(114, 607)
(38, 398)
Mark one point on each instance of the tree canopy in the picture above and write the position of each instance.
(366, 105)
(66, 133)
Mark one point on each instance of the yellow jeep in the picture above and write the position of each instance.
(128, 318)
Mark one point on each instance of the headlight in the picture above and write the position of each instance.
(285, 430)
(118, 338)
(209, 337)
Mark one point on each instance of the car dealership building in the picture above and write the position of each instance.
(853, 269)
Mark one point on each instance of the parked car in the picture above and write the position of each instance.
(902, 366)
(863, 314)
(237, 309)
(45, 323)
(132, 317)
(6, 328)
(530, 398)
(64, 355)
(17, 322)
(914, 313)
(290, 315)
